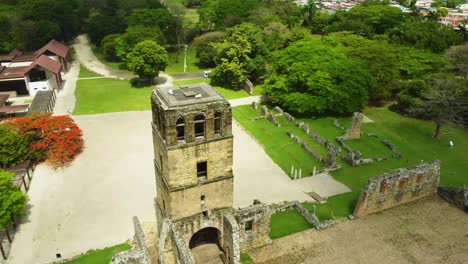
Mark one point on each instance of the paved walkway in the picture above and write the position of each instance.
(66, 100)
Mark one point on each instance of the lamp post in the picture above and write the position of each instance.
(185, 58)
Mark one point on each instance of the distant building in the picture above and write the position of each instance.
(26, 74)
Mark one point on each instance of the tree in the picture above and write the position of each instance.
(446, 101)
(205, 51)
(127, 41)
(12, 201)
(232, 60)
(390, 64)
(367, 20)
(147, 59)
(55, 138)
(109, 47)
(314, 77)
(98, 26)
(160, 17)
(424, 34)
(458, 56)
(14, 147)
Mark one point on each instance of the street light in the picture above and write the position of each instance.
(185, 58)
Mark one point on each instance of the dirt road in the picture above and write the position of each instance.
(428, 231)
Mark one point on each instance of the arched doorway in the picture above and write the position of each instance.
(205, 246)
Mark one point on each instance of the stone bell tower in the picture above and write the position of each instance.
(193, 153)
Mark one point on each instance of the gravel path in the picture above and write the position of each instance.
(85, 55)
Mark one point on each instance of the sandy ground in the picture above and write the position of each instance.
(428, 231)
(90, 204)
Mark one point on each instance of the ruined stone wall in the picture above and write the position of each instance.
(254, 226)
(231, 239)
(456, 196)
(398, 187)
(310, 217)
(182, 251)
(139, 253)
(188, 226)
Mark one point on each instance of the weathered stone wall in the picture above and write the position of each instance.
(184, 256)
(186, 202)
(456, 196)
(254, 226)
(398, 187)
(179, 165)
(355, 131)
(139, 253)
(231, 239)
(309, 216)
(188, 226)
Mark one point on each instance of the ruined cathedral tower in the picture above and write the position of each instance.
(193, 157)
(193, 146)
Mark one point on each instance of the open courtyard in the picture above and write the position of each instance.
(94, 199)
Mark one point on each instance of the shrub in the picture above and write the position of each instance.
(14, 147)
(57, 138)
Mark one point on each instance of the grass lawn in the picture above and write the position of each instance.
(246, 259)
(412, 137)
(107, 95)
(176, 61)
(85, 73)
(282, 149)
(286, 223)
(227, 93)
(99, 256)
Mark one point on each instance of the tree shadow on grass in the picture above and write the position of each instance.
(138, 82)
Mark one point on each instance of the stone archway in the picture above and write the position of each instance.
(206, 247)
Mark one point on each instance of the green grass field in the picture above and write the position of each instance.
(283, 150)
(99, 256)
(286, 223)
(107, 95)
(246, 259)
(412, 137)
(227, 93)
(86, 73)
(176, 61)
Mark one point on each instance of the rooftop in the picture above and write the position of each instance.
(185, 95)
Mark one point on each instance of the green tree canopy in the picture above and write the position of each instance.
(444, 101)
(14, 147)
(390, 64)
(147, 59)
(366, 20)
(425, 34)
(127, 41)
(315, 77)
(109, 47)
(458, 56)
(12, 200)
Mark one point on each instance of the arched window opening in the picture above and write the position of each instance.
(217, 123)
(199, 126)
(180, 128)
(383, 187)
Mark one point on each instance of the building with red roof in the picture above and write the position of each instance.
(26, 74)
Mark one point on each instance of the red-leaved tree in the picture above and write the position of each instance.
(57, 138)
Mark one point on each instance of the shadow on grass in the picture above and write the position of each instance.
(140, 82)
